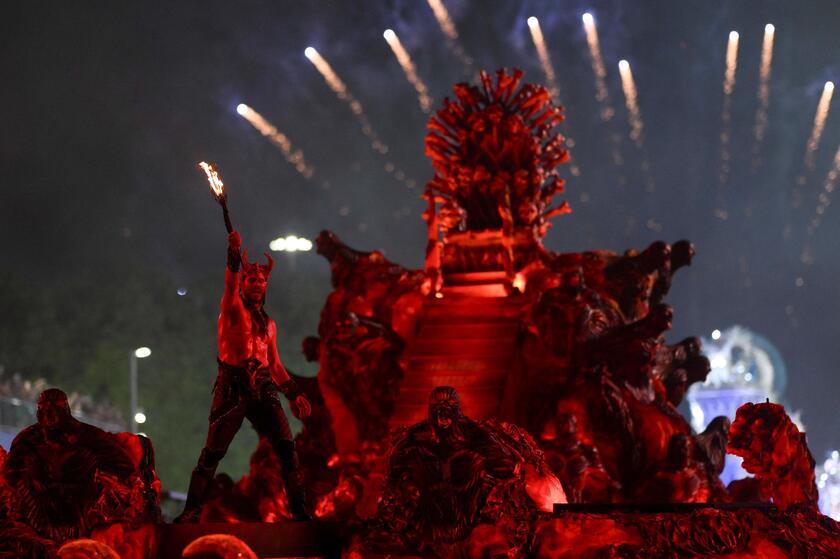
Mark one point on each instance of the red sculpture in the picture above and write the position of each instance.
(495, 150)
(448, 474)
(776, 453)
(65, 479)
(249, 383)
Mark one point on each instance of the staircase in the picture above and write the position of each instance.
(466, 340)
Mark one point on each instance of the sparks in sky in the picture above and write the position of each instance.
(340, 88)
(602, 95)
(267, 129)
(824, 199)
(630, 99)
(726, 115)
(763, 91)
(409, 69)
(542, 53)
(816, 131)
(448, 28)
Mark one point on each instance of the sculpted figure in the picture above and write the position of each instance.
(449, 473)
(66, 478)
(250, 380)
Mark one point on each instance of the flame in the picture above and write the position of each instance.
(294, 157)
(213, 178)
(410, 71)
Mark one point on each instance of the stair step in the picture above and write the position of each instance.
(424, 347)
(472, 309)
(496, 276)
(467, 330)
(489, 290)
(464, 363)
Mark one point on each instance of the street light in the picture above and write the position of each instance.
(136, 415)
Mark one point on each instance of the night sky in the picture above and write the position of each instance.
(107, 106)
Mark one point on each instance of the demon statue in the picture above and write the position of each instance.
(65, 479)
(776, 453)
(448, 473)
(250, 380)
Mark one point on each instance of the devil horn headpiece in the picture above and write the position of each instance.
(251, 268)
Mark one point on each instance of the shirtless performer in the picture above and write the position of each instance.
(249, 383)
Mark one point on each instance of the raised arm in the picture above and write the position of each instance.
(232, 270)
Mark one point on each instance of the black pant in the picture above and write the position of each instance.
(234, 399)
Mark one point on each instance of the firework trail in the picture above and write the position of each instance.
(813, 141)
(726, 118)
(824, 199)
(601, 93)
(634, 117)
(542, 53)
(340, 89)
(763, 93)
(630, 98)
(550, 76)
(293, 156)
(410, 71)
(448, 28)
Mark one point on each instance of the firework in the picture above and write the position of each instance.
(634, 117)
(542, 53)
(338, 86)
(340, 89)
(410, 71)
(824, 199)
(550, 76)
(448, 28)
(293, 156)
(630, 98)
(601, 93)
(816, 132)
(726, 117)
(764, 83)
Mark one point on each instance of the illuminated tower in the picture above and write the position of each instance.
(746, 367)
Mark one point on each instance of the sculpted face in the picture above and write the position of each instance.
(53, 408)
(444, 408)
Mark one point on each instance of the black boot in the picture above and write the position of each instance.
(201, 476)
(296, 492)
(293, 480)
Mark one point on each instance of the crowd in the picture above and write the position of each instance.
(17, 391)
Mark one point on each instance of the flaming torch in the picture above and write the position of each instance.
(218, 189)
